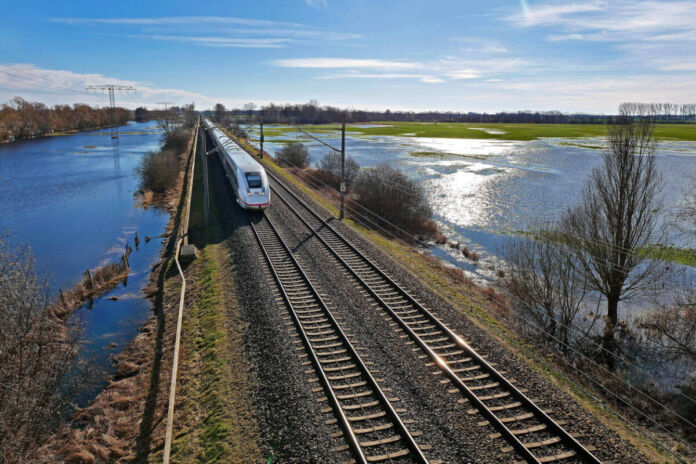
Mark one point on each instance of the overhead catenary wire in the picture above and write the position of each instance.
(556, 354)
(613, 246)
(619, 398)
(509, 295)
(559, 322)
(609, 265)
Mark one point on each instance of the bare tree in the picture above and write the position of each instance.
(331, 162)
(543, 277)
(166, 121)
(189, 113)
(37, 355)
(249, 108)
(672, 326)
(219, 112)
(687, 211)
(616, 219)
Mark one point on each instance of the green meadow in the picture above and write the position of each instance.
(513, 131)
(501, 131)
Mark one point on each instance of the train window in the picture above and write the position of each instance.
(254, 180)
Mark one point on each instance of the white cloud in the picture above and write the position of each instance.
(222, 41)
(617, 21)
(553, 13)
(359, 75)
(432, 80)
(464, 74)
(177, 20)
(53, 86)
(480, 45)
(217, 31)
(338, 63)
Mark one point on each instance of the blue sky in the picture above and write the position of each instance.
(402, 54)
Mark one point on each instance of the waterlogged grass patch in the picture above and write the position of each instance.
(582, 145)
(430, 154)
(521, 132)
(684, 256)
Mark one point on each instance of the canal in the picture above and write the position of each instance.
(72, 199)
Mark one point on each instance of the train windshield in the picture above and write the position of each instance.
(254, 180)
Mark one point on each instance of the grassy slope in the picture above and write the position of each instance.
(215, 421)
(461, 297)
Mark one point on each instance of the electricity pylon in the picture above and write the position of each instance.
(112, 88)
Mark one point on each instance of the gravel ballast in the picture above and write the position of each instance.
(550, 398)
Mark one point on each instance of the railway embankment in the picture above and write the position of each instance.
(484, 309)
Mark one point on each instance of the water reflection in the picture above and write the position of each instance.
(482, 190)
(71, 199)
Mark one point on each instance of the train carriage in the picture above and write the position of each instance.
(246, 176)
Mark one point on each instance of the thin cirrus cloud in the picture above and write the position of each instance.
(446, 68)
(428, 79)
(652, 35)
(222, 31)
(612, 21)
(176, 20)
(222, 41)
(345, 63)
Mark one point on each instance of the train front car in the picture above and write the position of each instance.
(245, 174)
(253, 192)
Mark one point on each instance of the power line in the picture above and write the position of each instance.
(112, 88)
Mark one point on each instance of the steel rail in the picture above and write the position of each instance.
(541, 416)
(353, 440)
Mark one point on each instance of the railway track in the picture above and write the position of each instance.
(371, 425)
(528, 430)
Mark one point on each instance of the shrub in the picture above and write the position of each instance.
(321, 178)
(394, 199)
(238, 132)
(293, 154)
(440, 238)
(331, 163)
(176, 140)
(40, 368)
(158, 170)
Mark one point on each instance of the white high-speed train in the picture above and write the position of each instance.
(246, 175)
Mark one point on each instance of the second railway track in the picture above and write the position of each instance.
(371, 425)
(528, 430)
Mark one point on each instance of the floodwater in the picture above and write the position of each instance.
(71, 199)
(484, 190)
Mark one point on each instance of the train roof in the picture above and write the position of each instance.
(240, 157)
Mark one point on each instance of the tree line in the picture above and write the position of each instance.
(313, 113)
(21, 119)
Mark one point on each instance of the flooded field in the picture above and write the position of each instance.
(484, 190)
(71, 199)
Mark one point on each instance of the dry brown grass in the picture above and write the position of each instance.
(93, 283)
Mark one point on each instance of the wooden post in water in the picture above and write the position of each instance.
(343, 165)
(89, 279)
